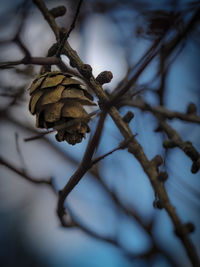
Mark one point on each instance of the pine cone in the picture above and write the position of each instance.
(57, 99)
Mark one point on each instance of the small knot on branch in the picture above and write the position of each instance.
(195, 166)
(86, 70)
(162, 176)
(169, 143)
(189, 227)
(157, 204)
(58, 11)
(184, 229)
(158, 129)
(192, 109)
(26, 59)
(62, 32)
(52, 50)
(157, 161)
(72, 63)
(128, 116)
(104, 77)
(125, 143)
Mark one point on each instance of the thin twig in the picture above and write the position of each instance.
(122, 145)
(48, 16)
(66, 36)
(160, 110)
(146, 59)
(176, 141)
(83, 168)
(22, 174)
(38, 136)
(31, 60)
(20, 152)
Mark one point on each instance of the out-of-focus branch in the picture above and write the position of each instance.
(183, 34)
(163, 71)
(22, 47)
(38, 136)
(138, 69)
(31, 60)
(23, 174)
(49, 17)
(153, 51)
(176, 141)
(160, 110)
(174, 138)
(66, 36)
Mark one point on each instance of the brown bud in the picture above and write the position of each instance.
(178, 232)
(52, 50)
(58, 11)
(195, 166)
(72, 63)
(169, 143)
(157, 204)
(157, 160)
(162, 176)
(191, 109)
(86, 70)
(189, 227)
(185, 229)
(104, 77)
(158, 129)
(128, 116)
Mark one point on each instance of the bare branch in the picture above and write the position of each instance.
(31, 60)
(176, 141)
(83, 168)
(48, 16)
(24, 175)
(66, 36)
(160, 110)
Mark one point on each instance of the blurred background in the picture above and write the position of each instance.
(113, 203)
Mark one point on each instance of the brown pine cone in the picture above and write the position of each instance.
(57, 99)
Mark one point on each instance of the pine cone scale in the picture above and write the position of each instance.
(73, 110)
(53, 112)
(37, 84)
(52, 81)
(34, 100)
(78, 95)
(52, 95)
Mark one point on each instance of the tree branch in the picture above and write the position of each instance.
(160, 110)
(82, 169)
(66, 36)
(176, 141)
(23, 174)
(48, 17)
(31, 60)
